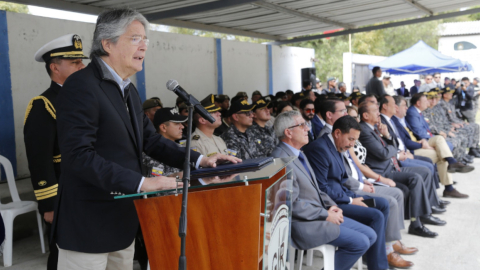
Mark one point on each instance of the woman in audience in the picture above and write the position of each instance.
(284, 107)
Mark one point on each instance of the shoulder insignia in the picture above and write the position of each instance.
(196, 137)
(211, 154)
(231, 152)
(48, 106)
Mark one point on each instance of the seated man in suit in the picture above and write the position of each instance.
(407, 159)
(317, 121)
(317, 220)
(436, 149)
(393, 195)
(331, 110)
(325, 155)
(416, 122)
(382, 159)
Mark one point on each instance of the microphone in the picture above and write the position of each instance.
(173, 85)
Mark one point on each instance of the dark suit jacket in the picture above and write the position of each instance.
(316, 125)
(406, 93)
(469, 94)
(417, 124)
(413, 90)
(309, 206)
(101, 155)
(327, 163)
(375, 86)
(405, 136)
(379, 156)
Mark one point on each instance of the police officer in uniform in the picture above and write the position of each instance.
(203, 139)
(265, 135)
(238, 136)
(62, 56)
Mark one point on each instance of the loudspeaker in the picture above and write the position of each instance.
(309, 75)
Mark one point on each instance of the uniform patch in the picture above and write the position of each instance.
(259, 141)
(157, 171)
(194, 148)
(42, 183)
(231, 152)
(182, 142)
(196, 137)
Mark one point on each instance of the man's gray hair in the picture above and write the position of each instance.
(342, 84)
(398, 100)
(284, 121)
(111, 25)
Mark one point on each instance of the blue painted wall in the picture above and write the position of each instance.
(7, 127)
(218, 43)
(141, 85)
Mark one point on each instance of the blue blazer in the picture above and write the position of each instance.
(405, 136)
(316, 125)
(329, 169)
(417, 124)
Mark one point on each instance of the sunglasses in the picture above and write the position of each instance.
(309, 110)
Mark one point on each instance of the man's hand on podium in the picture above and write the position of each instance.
(159, 183)
(212, 161)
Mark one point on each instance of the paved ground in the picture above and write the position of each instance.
(456, 247)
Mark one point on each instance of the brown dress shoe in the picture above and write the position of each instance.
(400, 248)
(396, 261)
(459, 167)
(454, 194)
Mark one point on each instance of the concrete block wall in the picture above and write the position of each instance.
(201, 65)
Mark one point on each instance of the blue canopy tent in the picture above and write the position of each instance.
(421, 59)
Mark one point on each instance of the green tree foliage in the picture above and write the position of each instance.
(12, 7)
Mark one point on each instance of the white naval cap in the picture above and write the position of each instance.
(68, 46)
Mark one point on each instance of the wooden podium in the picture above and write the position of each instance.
(225, 228)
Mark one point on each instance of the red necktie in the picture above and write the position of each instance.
(394, 158)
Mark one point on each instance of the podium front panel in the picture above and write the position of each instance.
(277, 220)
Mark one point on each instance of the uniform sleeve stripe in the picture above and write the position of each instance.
(46, 196)
(46, 190)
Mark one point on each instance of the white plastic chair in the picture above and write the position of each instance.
(328, 252)
(10, 210)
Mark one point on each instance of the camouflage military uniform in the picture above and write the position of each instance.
(208, 146)
(469, 131)
(158, 168)
(243, 143)
(459, 146)
(266, 135)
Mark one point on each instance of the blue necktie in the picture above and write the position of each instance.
(360, 175)
(301, 157)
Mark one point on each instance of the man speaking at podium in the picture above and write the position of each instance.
(102, 133)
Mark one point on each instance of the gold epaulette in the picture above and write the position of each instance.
(57, 159)
(46, 193)
(48, 106)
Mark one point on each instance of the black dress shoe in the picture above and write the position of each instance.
(474, 153)
(421, 231)
(432, 220)
(438, 210)
(443, 203)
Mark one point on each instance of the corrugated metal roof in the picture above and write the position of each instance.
(459, 28)
(267, 19)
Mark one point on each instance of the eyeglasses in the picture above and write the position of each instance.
(342, 111)
(309, 110)
(136, 40)
(303, 125)
(246, 113)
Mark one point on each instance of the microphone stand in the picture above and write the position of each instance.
(182, 228)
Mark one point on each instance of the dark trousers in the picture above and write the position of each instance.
(416, 200)
(52, 245)
(354, 240)
(375, 218)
